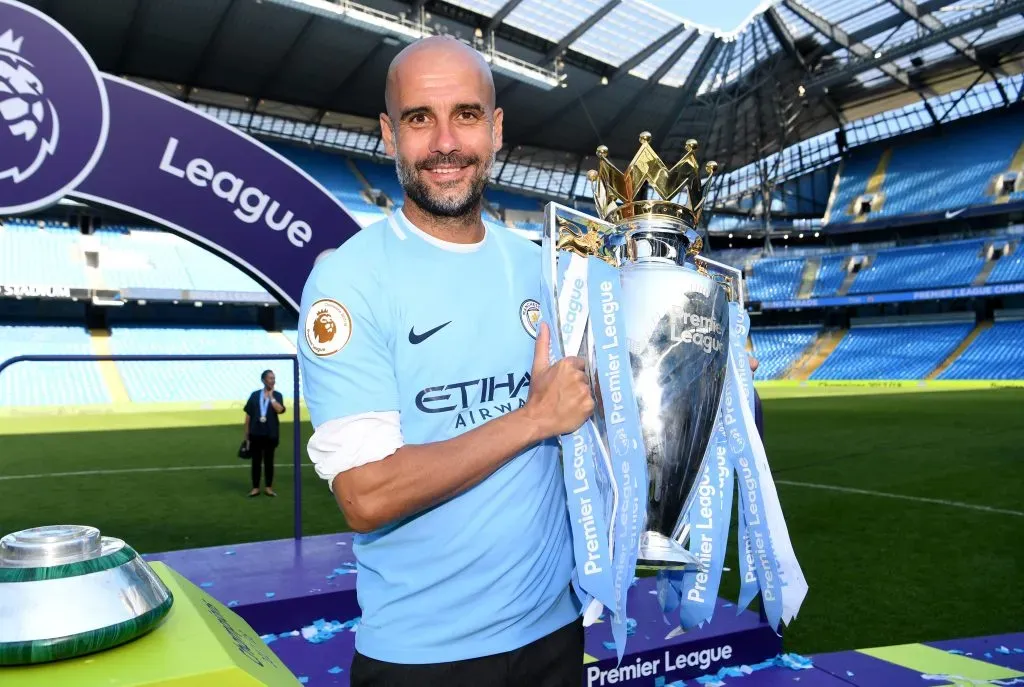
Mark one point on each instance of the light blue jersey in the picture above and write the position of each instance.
(443, 334)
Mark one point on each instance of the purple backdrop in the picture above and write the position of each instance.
(65, 129)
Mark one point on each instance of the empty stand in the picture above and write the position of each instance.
(773, 279)
(1009, 268)
(48, 384)
(33, 256)
(776, 349)
(997, 353)
(892, 352)
(929, 173)
(922, 267)
(830, 276)
(197, 381)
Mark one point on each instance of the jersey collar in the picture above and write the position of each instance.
(401, 225)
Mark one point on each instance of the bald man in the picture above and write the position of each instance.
(436, 413)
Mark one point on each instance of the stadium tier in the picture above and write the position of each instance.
(778, 348)
(1010, 268)
(34, 256)
(148, 382)
(830, 275)
(996, 353)
(775, 280)
(927, 172)
(892, 352)
(922, 267)
(43, 384)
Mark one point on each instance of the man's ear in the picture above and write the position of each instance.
(387, 133)
(496, 134)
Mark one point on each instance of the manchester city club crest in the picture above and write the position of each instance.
(529, 314)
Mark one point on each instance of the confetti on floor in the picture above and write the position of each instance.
(206, 585)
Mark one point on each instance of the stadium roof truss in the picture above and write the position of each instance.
(781, 95)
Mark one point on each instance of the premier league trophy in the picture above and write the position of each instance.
(650, 476)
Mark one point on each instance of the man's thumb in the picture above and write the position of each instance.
(541, 349)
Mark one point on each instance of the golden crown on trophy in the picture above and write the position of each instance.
(617, 194)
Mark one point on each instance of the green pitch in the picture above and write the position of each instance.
(906, 510)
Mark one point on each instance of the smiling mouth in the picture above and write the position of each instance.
(445, 170)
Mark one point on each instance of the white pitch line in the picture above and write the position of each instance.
(125, 471)
(903, 497)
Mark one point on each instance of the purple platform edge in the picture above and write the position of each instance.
(284, 585)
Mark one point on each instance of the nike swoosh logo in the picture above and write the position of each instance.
(954, 213)
(415, 338)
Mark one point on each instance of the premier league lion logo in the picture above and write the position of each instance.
(324, 327)
(29, 126)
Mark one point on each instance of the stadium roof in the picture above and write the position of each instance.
(571, 74)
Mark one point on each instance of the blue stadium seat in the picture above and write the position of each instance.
(830, 276)
(997, 353)
(512, 201)
(30, 256)
(48, 384)
(922, 267)
(1009, 268)
(779, 347)
(334, 174)
(892, 352)
(775, 279)
(929, 174)
(197, 381)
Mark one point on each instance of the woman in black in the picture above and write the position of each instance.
(262, 431)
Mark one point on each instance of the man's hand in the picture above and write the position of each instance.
(560, 399)
(753, 363)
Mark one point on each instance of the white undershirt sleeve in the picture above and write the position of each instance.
(348, 442)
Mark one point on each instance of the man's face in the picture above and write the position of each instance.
(442, 132)
(269, 380)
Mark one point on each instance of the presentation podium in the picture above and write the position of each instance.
(201, 643)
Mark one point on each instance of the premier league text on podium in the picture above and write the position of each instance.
(650, 476)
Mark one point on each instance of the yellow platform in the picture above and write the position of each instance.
(201, 643)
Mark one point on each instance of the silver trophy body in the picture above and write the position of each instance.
(676, 323)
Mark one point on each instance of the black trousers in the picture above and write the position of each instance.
(552, 661)
(261, 450)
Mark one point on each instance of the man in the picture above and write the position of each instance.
(436, 412)
(263, 431)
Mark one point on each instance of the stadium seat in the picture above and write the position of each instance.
(777, 348)
(775, 279)
(997, 353)
(48, 384)
(928, 174)
(33, 256)
(830, 276)
(892, 352)
(922, 267)
(1009, 268)
(148, 382)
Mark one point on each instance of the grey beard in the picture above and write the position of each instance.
(419, 192)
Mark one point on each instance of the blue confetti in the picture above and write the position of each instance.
(726, 605)
(267, 639)
(630, 627)
(335, 670)
(955, 651)
(232, 604)
(610, 646)
(677, 683)
(1002, 650)
(321, 630)
(988, 654)
(659, 681)
(206, 585)
(229, 553)
(303, 679)
(270, 595)
(1018, 651)
(849, 673)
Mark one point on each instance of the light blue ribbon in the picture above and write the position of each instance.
(592, 577)
(622, 428)
(753, 523)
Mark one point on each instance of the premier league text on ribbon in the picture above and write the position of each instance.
(585, 506)
(252, 203)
